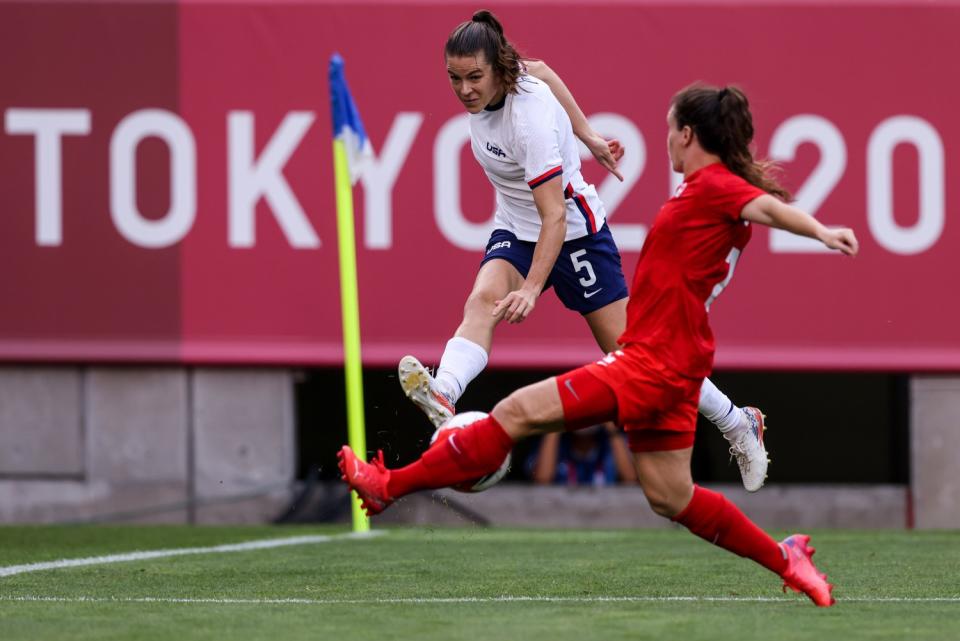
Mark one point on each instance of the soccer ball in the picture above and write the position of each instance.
(450, 427)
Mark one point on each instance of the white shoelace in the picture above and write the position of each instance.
(739, 452)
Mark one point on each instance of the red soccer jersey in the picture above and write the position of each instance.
(686, 261)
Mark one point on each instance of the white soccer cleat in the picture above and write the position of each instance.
(747, 448)
(421, 388)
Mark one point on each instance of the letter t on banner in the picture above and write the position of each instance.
(351, 150)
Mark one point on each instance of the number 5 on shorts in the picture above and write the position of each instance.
(583, 264)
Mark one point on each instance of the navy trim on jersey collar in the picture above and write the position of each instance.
(497, 106)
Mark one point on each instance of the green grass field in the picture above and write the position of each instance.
(467, 584)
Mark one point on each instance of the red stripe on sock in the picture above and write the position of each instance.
(711, 516)
(474, 451)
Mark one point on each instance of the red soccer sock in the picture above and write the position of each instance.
(472, 452)
(711, 516)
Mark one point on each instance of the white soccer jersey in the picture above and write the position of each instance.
(521, 145)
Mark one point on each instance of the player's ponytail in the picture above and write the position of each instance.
(484, 33)
(723, 124)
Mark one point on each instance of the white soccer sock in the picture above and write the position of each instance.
(461, 362)
(719, 409)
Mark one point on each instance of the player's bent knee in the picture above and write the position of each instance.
(517, 416)
(480, 303)
(663, 502)
(510, 410)
(658, 503)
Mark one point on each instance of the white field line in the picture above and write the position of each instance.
(444, 600)
(262, 544)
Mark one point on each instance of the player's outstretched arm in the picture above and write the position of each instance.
(607, 152)
(517, 305)
(770, 211)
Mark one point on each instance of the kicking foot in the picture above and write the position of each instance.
(747, 448)
(801, 574)
(421, 388)
(369, 480)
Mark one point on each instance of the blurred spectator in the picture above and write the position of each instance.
(597, 456)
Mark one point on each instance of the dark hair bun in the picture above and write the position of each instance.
(486, 17)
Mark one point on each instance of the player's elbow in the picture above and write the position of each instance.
(556, 217)
(765, 210)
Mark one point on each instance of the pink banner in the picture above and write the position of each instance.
(167, 185)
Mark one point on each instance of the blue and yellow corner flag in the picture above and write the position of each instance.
(347, 126)
(351, 149)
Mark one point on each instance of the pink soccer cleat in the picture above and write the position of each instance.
(801, 574)
(369, 480)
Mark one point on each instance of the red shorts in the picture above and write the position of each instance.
(656, 406)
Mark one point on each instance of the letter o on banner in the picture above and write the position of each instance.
(178, 220)
(454, 226)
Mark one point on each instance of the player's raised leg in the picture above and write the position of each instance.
(576, 399)
(474, 451)
(465, 355)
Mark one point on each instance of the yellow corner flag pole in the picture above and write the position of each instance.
(349, 130)
(350, 303)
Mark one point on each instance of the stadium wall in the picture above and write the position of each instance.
(143, 444)
(168, 243)
(215, 445)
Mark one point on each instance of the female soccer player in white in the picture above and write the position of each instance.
(550, 228)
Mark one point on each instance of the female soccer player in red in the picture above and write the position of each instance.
(651, 384)
(550, 228)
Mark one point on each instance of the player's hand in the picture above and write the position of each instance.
(515, 306)
(842, 239)
(607, 152)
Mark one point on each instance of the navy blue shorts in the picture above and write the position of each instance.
(586, 276)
